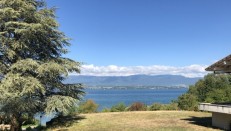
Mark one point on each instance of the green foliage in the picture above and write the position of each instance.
(137, 106)
(211, 84)
(88, 106)
(118, 107)
(188, 102)
(28, 120)
(214, 88)
(155, 107)
(31, 64)
(219, 96)
(106, 110)
(73, 110)
(158, 106)
(171, 106)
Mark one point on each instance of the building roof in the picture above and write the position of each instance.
(222, 66)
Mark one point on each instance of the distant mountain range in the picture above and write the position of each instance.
(134, 80)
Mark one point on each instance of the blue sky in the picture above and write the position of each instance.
(145, 33)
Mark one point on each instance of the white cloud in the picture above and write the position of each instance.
(113, 70)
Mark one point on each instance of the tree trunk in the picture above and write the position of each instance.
(16, 125)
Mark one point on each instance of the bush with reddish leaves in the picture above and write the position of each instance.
(137, 106)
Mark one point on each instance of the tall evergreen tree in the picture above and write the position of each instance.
(31, 64)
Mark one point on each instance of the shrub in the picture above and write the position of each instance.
(188, 102)
(137, 106)
(118, 107)
(158, 106)
(88, 106)
(171, 106)
(155, 107)
(106, 110)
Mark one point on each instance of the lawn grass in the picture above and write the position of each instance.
(142, 121)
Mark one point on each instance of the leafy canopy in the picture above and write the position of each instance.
(31, 64)
(214, 88)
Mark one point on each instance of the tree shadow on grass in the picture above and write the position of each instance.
(201, 121)
(64, 121)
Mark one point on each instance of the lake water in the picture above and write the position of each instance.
(106, 98)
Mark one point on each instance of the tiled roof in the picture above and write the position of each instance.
(223, 65)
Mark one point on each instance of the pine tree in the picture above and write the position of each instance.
(31, 64)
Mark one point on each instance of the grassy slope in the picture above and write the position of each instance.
(143, 121)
